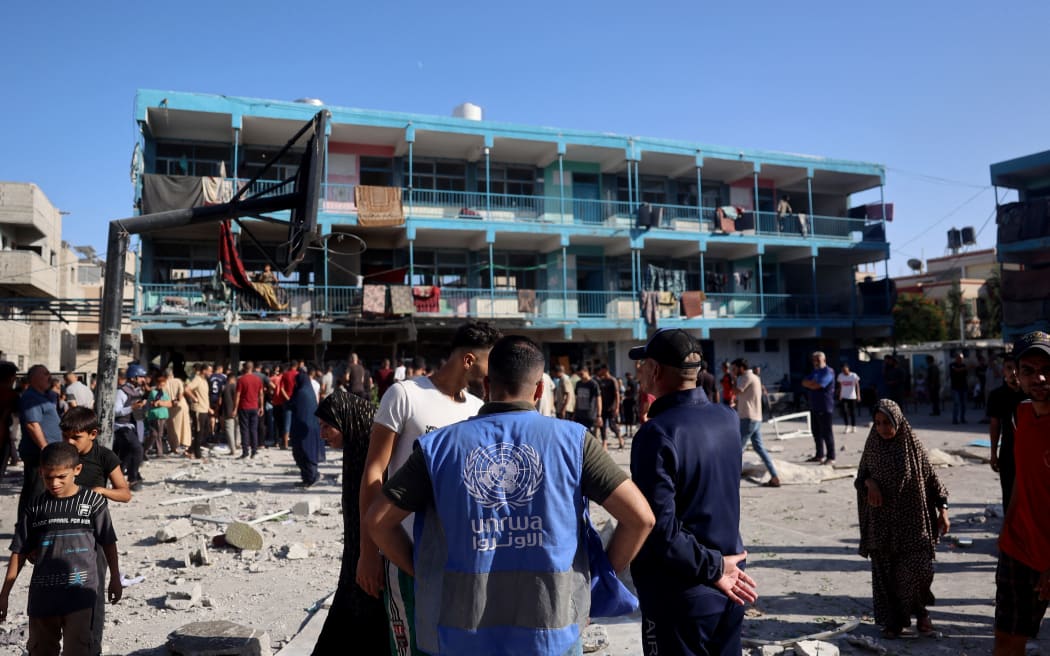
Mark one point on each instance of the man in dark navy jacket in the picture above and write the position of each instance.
(686, 461)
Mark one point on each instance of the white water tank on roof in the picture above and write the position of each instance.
(317, 102)
(469, 111)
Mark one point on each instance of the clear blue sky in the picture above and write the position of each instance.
(927, 88)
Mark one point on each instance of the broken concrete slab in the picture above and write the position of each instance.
(205, 509)
(815, 648)
(199, 497)
(175, 531)
(198, 554)
(307, 506)
(183, 597)
(973, 453)
(218, 638)
(940, 458)
(243, 536)
(296, 551)
(595, 638)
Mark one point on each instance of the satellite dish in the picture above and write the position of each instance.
(915, 264)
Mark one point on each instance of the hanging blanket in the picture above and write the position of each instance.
(401, 300)
(693, 304)
(527, 301)
(268, 292)
(427, 298)
(374, 301)
(170, 192)
(379, 206)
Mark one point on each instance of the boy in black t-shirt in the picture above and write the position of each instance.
(59, 531)
(99, 465)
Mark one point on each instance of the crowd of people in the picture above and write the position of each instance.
(466, 486)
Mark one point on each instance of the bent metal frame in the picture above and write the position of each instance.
(303, 202)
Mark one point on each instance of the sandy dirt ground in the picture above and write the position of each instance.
(801, 539)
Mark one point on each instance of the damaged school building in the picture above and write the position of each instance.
(583, 240)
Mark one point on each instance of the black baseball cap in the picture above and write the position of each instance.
(670, 347)
(1033, 341)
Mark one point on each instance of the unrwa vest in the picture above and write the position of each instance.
(134, 394)
(508, 505)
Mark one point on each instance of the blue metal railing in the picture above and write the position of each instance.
(296, 302)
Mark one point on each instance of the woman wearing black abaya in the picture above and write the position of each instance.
(305, 433)
(903, 509)
(357, 621)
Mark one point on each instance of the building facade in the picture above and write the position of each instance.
(585, 241)
(971, 271)
(49, 290)
(1023, 243)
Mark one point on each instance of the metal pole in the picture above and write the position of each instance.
(700, 197)
(488, 186)
(561, 186)
(411, 262)
(564, 282)
(492, 283)
(327, 283)
(630, 187)
(758, 219)
(813, 260)
(109, 334)
(761, 288)
(809, 195)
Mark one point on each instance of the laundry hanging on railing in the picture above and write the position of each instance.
(373, 299)
(379, 206)
(693, 304)
(427, 298)
(401, 300)
(233, 271)
(647, 301)
(665, 280)
(527, 301)
(170, 192)
(217, 189)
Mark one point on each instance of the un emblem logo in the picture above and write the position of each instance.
(503, 474)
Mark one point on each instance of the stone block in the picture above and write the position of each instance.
(204, 509)
(183, 597)
(175, 531)
(218, 638)
(243, 536)
(815, 648)
(307, 506)
(296, 551)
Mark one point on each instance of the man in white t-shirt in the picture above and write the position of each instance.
(849, 393)
(409, 409)
(400, 371)
(748, 393)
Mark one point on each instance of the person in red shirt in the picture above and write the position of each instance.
(1022, 578)
(384, 378)
(250, 405)
(284, 387)
(727, 385)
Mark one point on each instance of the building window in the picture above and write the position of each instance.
(752, 345)
(378, 171)
(192, 159)
(438, 175)
(772, 346)
(255, 160)
(509, 180)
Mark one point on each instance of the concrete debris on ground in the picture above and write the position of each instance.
(792, 474)
(866, 643)
(940, 458)
(815, 648)
(243, 536)
(994, 511)
(595, 638)
(307, 506)
(295, 551)
(198, 555)
(183, 597)
(218, 638)
(204, 509)
(175, 531)
(768, 650)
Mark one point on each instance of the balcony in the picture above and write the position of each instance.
(193, 302)
(24, 273)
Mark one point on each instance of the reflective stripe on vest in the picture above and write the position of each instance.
(508, 503)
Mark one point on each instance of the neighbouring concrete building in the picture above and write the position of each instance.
(564, 235)
(49, 290)
(971, 270)
(1023, 243)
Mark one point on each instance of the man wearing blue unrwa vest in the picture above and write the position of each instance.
(500, 558)
(409, 409)
(686, 461)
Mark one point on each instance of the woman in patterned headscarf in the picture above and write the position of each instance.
(903, 509)
(356, 621)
